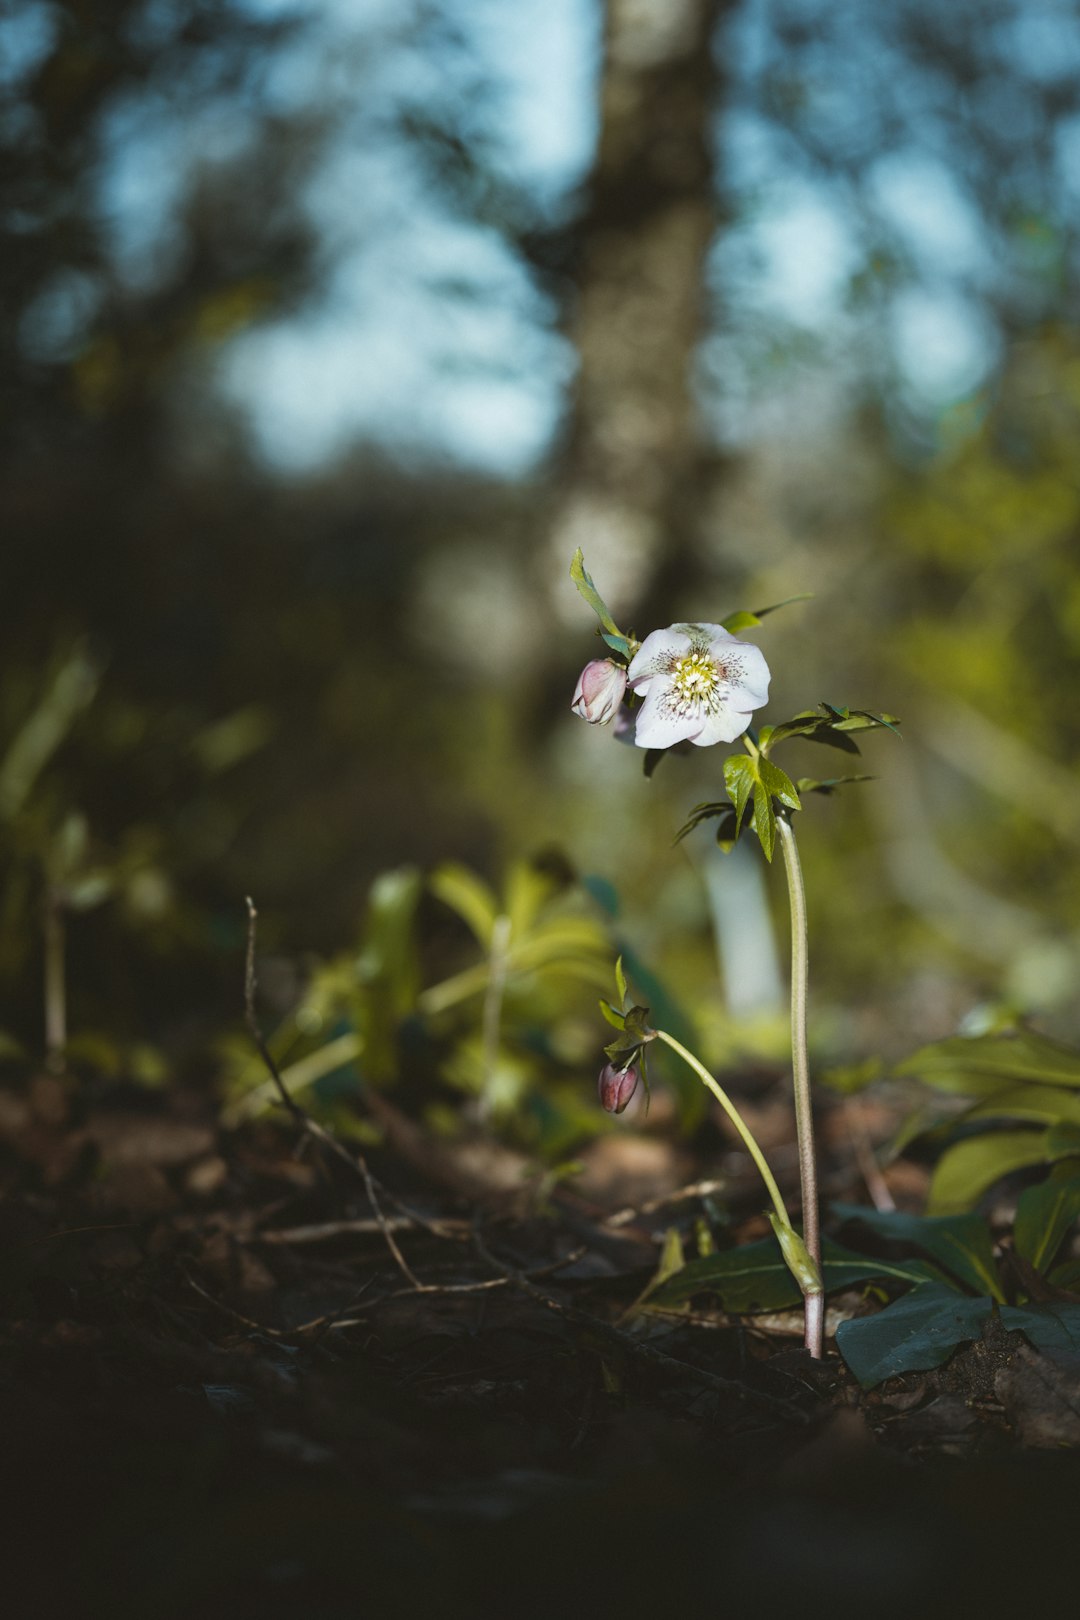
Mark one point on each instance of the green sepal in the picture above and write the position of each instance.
(615, 1018)
(797, 1257)
(620, 979)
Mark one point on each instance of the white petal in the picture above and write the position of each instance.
(723, 726)
(657, 728)
(748, 673)
(654, 654)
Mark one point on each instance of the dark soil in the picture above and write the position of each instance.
(224, 1395)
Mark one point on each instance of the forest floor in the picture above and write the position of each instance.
(240, 1378)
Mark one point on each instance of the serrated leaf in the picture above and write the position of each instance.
(740, 781)
(918, 1332)
(764, 822)
(967, 1169)
(777, 783)
(960, 1243)
(1043, 1216)
(700, 813)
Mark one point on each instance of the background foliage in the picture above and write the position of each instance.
(327, 336)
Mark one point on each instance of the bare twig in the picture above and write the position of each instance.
(625, 1342)
(357, 1164)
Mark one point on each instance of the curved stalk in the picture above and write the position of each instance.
(804, 1117)
(736, 1119)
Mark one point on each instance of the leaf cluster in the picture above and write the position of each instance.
(945, 1265)
(1024, 1109)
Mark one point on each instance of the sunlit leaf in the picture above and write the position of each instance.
(966, 1170)
(1043, 1216)
(968, 1064)
(745, 618)
(467, 895)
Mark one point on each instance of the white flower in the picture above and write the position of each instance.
(700, 684)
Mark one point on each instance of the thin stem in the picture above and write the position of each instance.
(55, 982)
(800, 1062)
(735, 1117)
(499, 963)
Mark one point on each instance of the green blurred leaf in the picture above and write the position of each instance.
(71, 689)
(468, 896)
(968, 1064)
(851, 1078)
(1043, 1216)
(961, 1243)
(1045, 1105)
(967, 1169)
(809, 784)
(917, 1332)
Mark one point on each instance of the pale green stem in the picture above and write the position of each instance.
(499, 963)
(735, 1117)
(804, 1116)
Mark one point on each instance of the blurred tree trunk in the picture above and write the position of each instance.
(626, 483)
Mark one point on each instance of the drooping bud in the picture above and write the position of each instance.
(599, 691)
(617, 1086)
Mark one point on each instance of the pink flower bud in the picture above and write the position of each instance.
(599, 691)
(617, 1086)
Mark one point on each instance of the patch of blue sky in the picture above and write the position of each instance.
(26, 35)
(944, 345)
(939, 227)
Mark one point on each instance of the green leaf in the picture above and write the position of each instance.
(968, 1064)
(756, 1276)
(467, 895)
(700, 813)
(828, 724)
(919, 1331)
(777, 783)
(1043, 1105)
(764, 823)
(739, 780)
(1053, 1326)
(745, 619)
(581, 577)
(620, 981)
(850, 1078)
(968, 1168)
(809, 784)
(615, 1018)
(1043, 1216)
(961, 1243)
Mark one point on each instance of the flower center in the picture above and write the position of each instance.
(695, 679)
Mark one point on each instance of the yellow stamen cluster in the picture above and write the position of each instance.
(695, 680)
